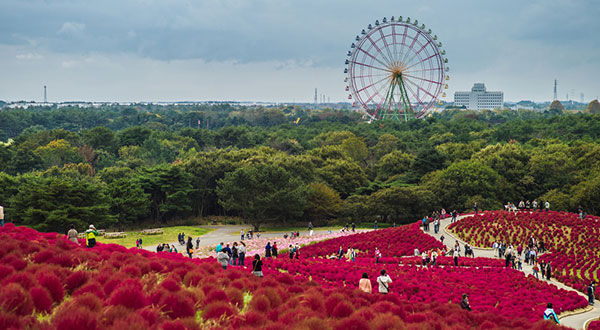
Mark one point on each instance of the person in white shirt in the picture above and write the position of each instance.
(384, 282)
(2, 215)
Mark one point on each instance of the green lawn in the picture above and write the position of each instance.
(169, 235)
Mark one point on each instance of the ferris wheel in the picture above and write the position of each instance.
(396, 70)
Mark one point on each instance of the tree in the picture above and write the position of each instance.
(100, 138)
(57, 153)
(128, 201)
(454, 185)
(393, 164)
(385, 144)
(556, 106)
(355, 148)
(169, 189)
(262, 193)
(322, 202)
(593, 107)
(342, 175)
(53, 203)
(403, 204)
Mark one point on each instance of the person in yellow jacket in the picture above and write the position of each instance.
(90, 235)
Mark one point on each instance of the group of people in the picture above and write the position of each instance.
(164, 247)
(138, 243)
(527, 206)
(235, 255)
(383, 282)
(435, 219)
(249, 234)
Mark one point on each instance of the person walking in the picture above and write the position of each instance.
(443, 213)
(549, 314)
(234, 254)
(536, 268)
(354, 227)
(384, 282)
(454, 214)
(464, 302)
(591, 290)
(475, 207)
(190, 247)
(377, 255)
(268, 250)
(197, 243)
(436, 226)
(223, 259)
(72, 234)
(140, 242)
(455, 255)
(242, 234)
(547, 206)
(365, 284)
(90, 235)
(257, 266)
(442, 239)
(242, 254)
(375, 224)
(1, 216)
(219, 247)
(548, 271)
(274, 250)
(291, 251)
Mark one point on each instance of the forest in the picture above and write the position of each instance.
(132, 166)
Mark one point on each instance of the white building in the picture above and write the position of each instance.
(479, 98)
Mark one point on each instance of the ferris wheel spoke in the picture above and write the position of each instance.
(419, 87)
(387, 47)
(415, 95)
(373, 57)
(373, 84)
(415, 77)
(423, 70)
(371, 75)
(412, 44)
(378, 49)
(435, 54)
(417, 53)
(371, 66)
(394, 41)
(403, 44)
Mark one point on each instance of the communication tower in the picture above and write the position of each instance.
(555, 95)
(316, 100)
(45, 95)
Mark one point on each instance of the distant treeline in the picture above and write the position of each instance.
(122, 166)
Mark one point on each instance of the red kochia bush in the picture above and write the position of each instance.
(342, 309)
(75, 318)
(170, 285)
(218, 309)
(16, 300)
(53, 285)
(176, 305)
(130, 296)
(75, 280)
(41, 299)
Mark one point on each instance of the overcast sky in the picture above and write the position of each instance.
(280, 50)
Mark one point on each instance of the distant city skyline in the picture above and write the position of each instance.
(233, 50)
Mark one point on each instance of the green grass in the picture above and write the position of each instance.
(169, 235)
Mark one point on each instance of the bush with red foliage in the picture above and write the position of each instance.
(391, 242)
(53, 285)
(572, 242)
(106, 281)
(594, 325)
(41, 299)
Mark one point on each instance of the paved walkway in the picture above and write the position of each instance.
(578, 321)
(227, 233)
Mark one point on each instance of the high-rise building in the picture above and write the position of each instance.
(479, 98)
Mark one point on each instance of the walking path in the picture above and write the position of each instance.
(227, 233)
(573, 320)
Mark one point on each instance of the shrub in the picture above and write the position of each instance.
(76, 280)
(75, 318)
(218, 309)
(130, 296)
(41, 299)
(53, 285)
(176, 305)
(14, 299)
(342, 309)
(170, 285)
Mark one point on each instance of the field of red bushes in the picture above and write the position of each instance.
(391, 242)
(573, 245)
(51, 283)
(594, 325)
(502, 291)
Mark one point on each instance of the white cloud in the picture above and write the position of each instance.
(29, 57)
(72, 29)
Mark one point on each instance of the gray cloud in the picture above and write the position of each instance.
(514, 45)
